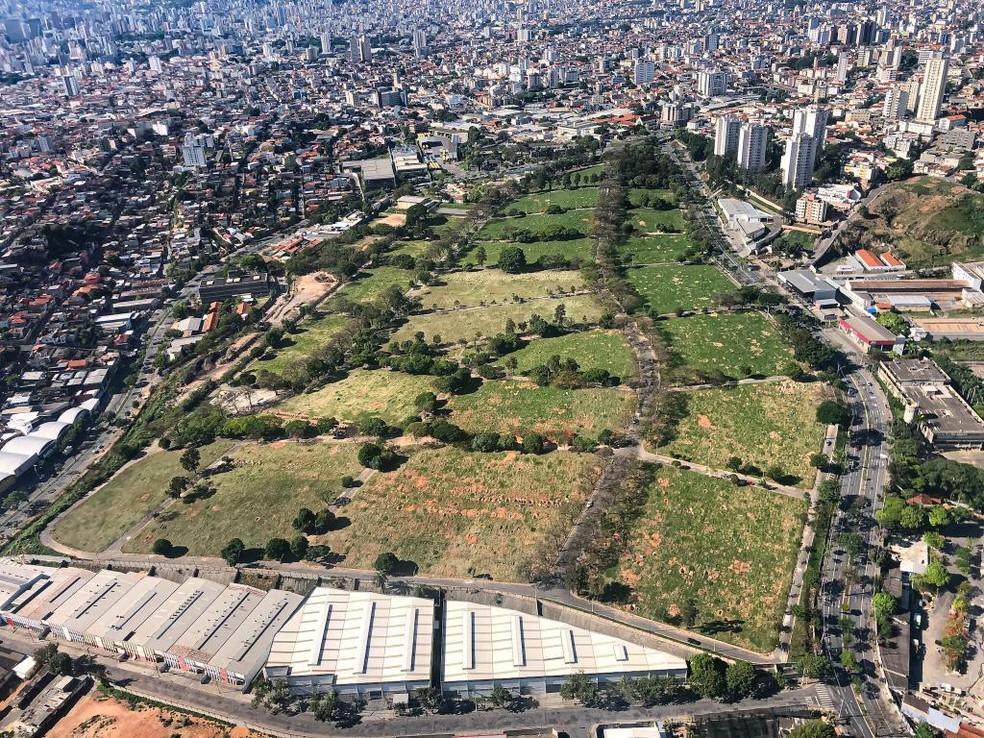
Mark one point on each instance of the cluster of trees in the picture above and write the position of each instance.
(710, 677)
(806, 346)
(548, 233)
(567, 374)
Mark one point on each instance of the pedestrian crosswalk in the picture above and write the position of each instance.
(824, 699)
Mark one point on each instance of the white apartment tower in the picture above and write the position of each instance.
(712, 84)
(753, 142)
(933, 88)
(644, 72)
(896, 103)
(811, 120)
(726, 136)
(798, 160)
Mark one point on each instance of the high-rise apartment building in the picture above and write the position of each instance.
(896, 103)
(753, 143)
(726, 136)
(811, 120)
(644, 72)
(712, 84)
(798, 160)
(360, 50)
(933, 88)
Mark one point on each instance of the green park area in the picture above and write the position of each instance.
(713, 557)
(460, 514)
(539, 225)
(656, 249)
(370, 284)
(766, 425)
(493, 286)
(135, 491)
(574, 249)
(669, 287)
(727, 344)
(256, 499)
(310, 334)
(597, 349)
(584, 197)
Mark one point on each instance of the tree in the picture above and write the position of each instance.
(425, 402)
(190, 460)
(934, 539)
(374, 456)
(707, 676)
(430, 698)
(324, 706)
(579, 687)
(480, 255)
(814, 666)
(935, 577)
(813, 729)
(534, 443)
(512, 259)
(232, 552)
(818, 461)
(884, 605)
(849, 661)
(298, 547)
(304, 520)
(925, 730)
(939, 517)
(277, 549)
(177, 485)
(741, 679)
(161, 547)
(830, 412)
(50, 658)
(387, 563)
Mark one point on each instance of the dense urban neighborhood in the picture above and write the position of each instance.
(523, 368)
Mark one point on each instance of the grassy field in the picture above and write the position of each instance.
(762, 424)
(670, 286)
(729, 343)
(451, 224)
(458, 514)
(729, 551)
(492, 286)
(373, 282)
(311, 334)
(598, 349)
(503, 228)
(585, 197)
(134, 491)
(518, 407)
(411, 248)
(257, 499)
(576, 248)
(648, 220)
(381, 392)
(663, 247)
(487, 321)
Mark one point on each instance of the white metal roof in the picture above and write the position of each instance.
(15, 464)
(358, 637)
(483, 642)
(94, 599)
(72, 414)
(132, 609)
(51, 430)
(213, 628)
(169, 622)
(247, 647)
(16, 578)
(27, 445)
(47, 595)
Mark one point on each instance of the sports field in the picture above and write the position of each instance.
(460, 514)
(726, 551)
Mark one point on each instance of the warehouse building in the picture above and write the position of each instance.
(90, 602)
(32, 607)
(113, 631)
(869, 334)
(359, 644)
(186, 604)
(486, 646)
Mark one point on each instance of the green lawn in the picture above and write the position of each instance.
(585, 197)
(518, 407)
(732, 344)
(134, 491)
(412, 248)
(502, 229)
(492, 287)
(597, 349)
(577, 248)
(663, 247)
(459, 514)
(765, 424)
(670, 286)
(311, 333)
(373, 282)
(463, 325)
(257, 499)
(647, 220)
(728, 551)
(381, 392)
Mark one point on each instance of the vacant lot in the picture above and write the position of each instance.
(459, 514)
(311, 334)
(492, 286)
(586, 197)
(381, 392)
(670, 286)
(766, 424)
(134, 491)
(576, 248)
(502, 229)
(257, 499)
(599, 349)
(463, 325)
(726, 551)
(518, 407)
(647, 220)
(371, 283)
(656, 249)
(733, 344)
